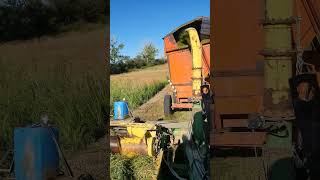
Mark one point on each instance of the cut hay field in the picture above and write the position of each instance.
(64, 76)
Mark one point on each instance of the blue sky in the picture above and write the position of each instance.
(136, 22)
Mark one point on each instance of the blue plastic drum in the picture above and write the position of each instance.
(121, 110)
(36, 156)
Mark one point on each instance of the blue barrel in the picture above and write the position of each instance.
(120, 109)
(36, 156)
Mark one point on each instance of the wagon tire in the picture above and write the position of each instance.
(167, 105)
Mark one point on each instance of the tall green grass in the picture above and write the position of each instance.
(135, 92)
(75, 101)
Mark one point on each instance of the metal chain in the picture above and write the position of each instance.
(300, 62)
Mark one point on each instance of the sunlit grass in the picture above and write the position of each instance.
(75, 102)
(136, 93)
(137, 87)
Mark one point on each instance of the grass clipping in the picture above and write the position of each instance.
(183, 39)
(136, 168)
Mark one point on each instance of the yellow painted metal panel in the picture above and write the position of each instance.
(130, 140)
(196, 59)
(278, 70)
(279, 9)
(149, 143)
(277, 37)
(139, 131)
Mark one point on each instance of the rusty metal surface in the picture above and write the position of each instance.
(276, 53)
(204, 22)
(236, 66)
(182, 106)
(128, 145)
(180, 65)
(206, 59)
(236, 73)
(288, 21)
(235, 44)
(128, 149)
(180, 58)
(237, 81)
(237, 105)
(235, 123)
(170, 43)
(237, 47)
(235, 86)
(308, 10)
(240, 139)
(114, 144)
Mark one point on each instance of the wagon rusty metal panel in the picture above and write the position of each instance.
(170, 43)
(236, 62)
(180, 69)
(308, 10)
(234, 87)
(237, 33)
(180, 66)
(236, 106)
(180, 58)
(237, 69)
(239, 139)
(206, 59)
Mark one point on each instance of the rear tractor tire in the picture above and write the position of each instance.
(167, 105)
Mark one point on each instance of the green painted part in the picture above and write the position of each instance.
(277, 37)
(280, 164)
(197, 106)
(280, 143)
(279, 9)
(281, 168)
(198, 127)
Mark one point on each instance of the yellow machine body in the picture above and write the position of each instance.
(196, 50)
(139, 139)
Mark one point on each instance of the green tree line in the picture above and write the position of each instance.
(120, 63)
(25, 19)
